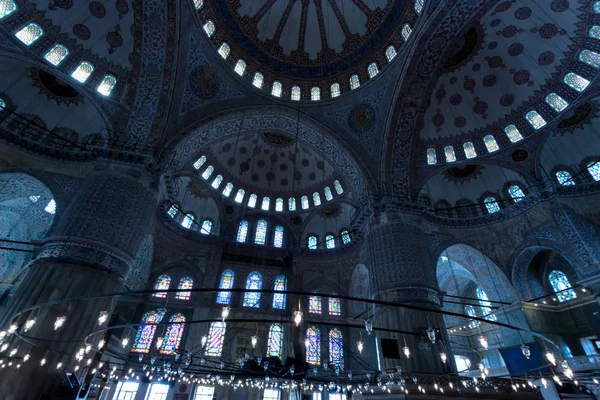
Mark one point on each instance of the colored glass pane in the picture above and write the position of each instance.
(491, 205)
(486, 306)
(242, 232)
(253, 282)
(313, 350)
(206, 228)
(186, 283)
(516, 193)
(535, 119)
(315, 93)
(56, 54)
(594, 170)
(449, 152)
(266, 203)
(228, 189)
(328, 194)
(226, 283)
(292, 204)
(279, 204)
(469, 150)
(314, 304)
(335, 90)
(7, 7)
(564, 178)
(346, 237)
(330, 242)
(312, 242)
(258, 80)
(296, 93)
(146, 331)
(173, 334)
(261, 232)
(106, 86)
(240, 67)
(338, 187)
(278, 237)
(470, 310)
(561, 286)
(30, 33)
(406, 31)
(513, 133)
(335, 306)
(490, 143)
(390, 53)
(576, 82)
(354, 82)
(224, 50)
(275, 343)
(431, 157)
(162, 283)
(83, 72)
(304, 202)
(279, 298)
(316, 199)
(216, 337)
(373, 70)
(199, 162)
(277, 89)
(239, 196)
(556, 102)
(208, 172)
(336, 350)
(252, 200)
(187, 221)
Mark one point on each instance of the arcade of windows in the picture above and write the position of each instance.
(187, 220)
(163, 282)
(491, 204)
(312, 241)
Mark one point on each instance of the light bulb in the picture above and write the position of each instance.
(159, 342)
(103, 317)
(483, 341)
(550, 357)
(306, 343)
(526, 351)
(451, 385)
(60, 321)
(406, 351)
(595, 380)
(43, 361)
(101, 344)
(125, 342)
(29, 324)
(13, 352)
(444, 357)
(58, 365)
(360, 345)
(225, 313)
(26, 357)
(369, 325)
(204, 340)
(3, 334)
(297, 317)
(12, 328)
(3, 347)
(557, 380)
(254, 340)
(431, 334)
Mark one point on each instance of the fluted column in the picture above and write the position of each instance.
(401, 271)
(90, 251)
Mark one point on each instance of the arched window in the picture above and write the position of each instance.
(346, 237)
(162, 283)
(390, 53)
(470, 310)
(240, 67)
(173, 334)
(469, 149)
(490, 143)
(336, 351)
(431, 157)
(292, 204)
(354, 82)
(224, 50)
(226, 283)
(51, 207)
(83, 72)
(419, 6)
(106, 86)
(491, 204)
(335, 306)
(253, 282)
(209, 28)
(242, 232)
(239, 196)
(199, 162)
(556, 102)
(30, 33)
(277, 89)
(217, 181)
(206, 228)
(594, 170)
(296, 93)
(314, 304)
(228, 189)
(330, 242)
(279, 298)
(328, 194)
(187, 221)
(198, 4)
(146, 331)
(589, 57)
(216, 337)
(486, 306)
(516, 193)
(278, 237)
(279, 204)
(335, 90)
(2, 103)
(373, 70)
(315, 93)
(316, 199)
(172, 211)
(406, 31)
(275, 343)
(513, 133)
(535, 119)
(261, 232)
(312, 242)
(208, 172)
(266, 204)
(186, 283)
(56, 54)
(338, 187)
(597, 7)
(561, 286)
(7, 7)
(564, 178)
(258, 80)
(304, 202)
(313, 348)
(576, 82)
(449, 152)
(252, 200)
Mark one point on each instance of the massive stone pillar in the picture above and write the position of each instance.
(89, 251)
(401, 271)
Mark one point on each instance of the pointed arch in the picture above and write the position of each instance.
(561, 286)
(173, 334)
(146, 331)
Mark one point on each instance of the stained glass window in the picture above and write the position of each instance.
(252, 200)
(516, 193)
(560, 283)
(336, 350)
(228, 189)
(106, 86)
(51, 207)
(315, 93)
(275, 344)
(258, 80)
(591, 58)
(56, 54)
(217, 181)
(277, 89)
(216, 337)
(224, 50)
(208, 172)
(7, 7)
(2, 103)
(594, 170)
(490, 143)
(278, 237)
(576, 82)
(335, 306)
(296, 93)
(187, 221)
(279, 298)
(162, 283)
(330, 242)
(390, 53)
(338, 187)
(595, 32)
(209, 28)
(491, 205)
(265, 204)
(469, 149)
(242, 232)
(535, 119)
(513, 133)
(83, 72)
(449, 152)
(556, 102)
(199, 162)
(292, 204)
(419, 6)
(486, 306)
(34, 199)
(313, 350)
(470, 310)
(314, 304)
(240, 67)
(173, 334)
(30, 34)
(206, 227)
(239, 196)
(261, 232)
(304, 202)
(145, 334)
(185, 284)
(226, 283)
(346, 237)
(406, 31)
(431, 157)
(373, 70)
(354, 82)
(254, 281)
(316, 199)
(328, 194)
(564, 178)
(279, 204)
(335, 90)
(597, 7)
(312, 242)
(198, 4)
